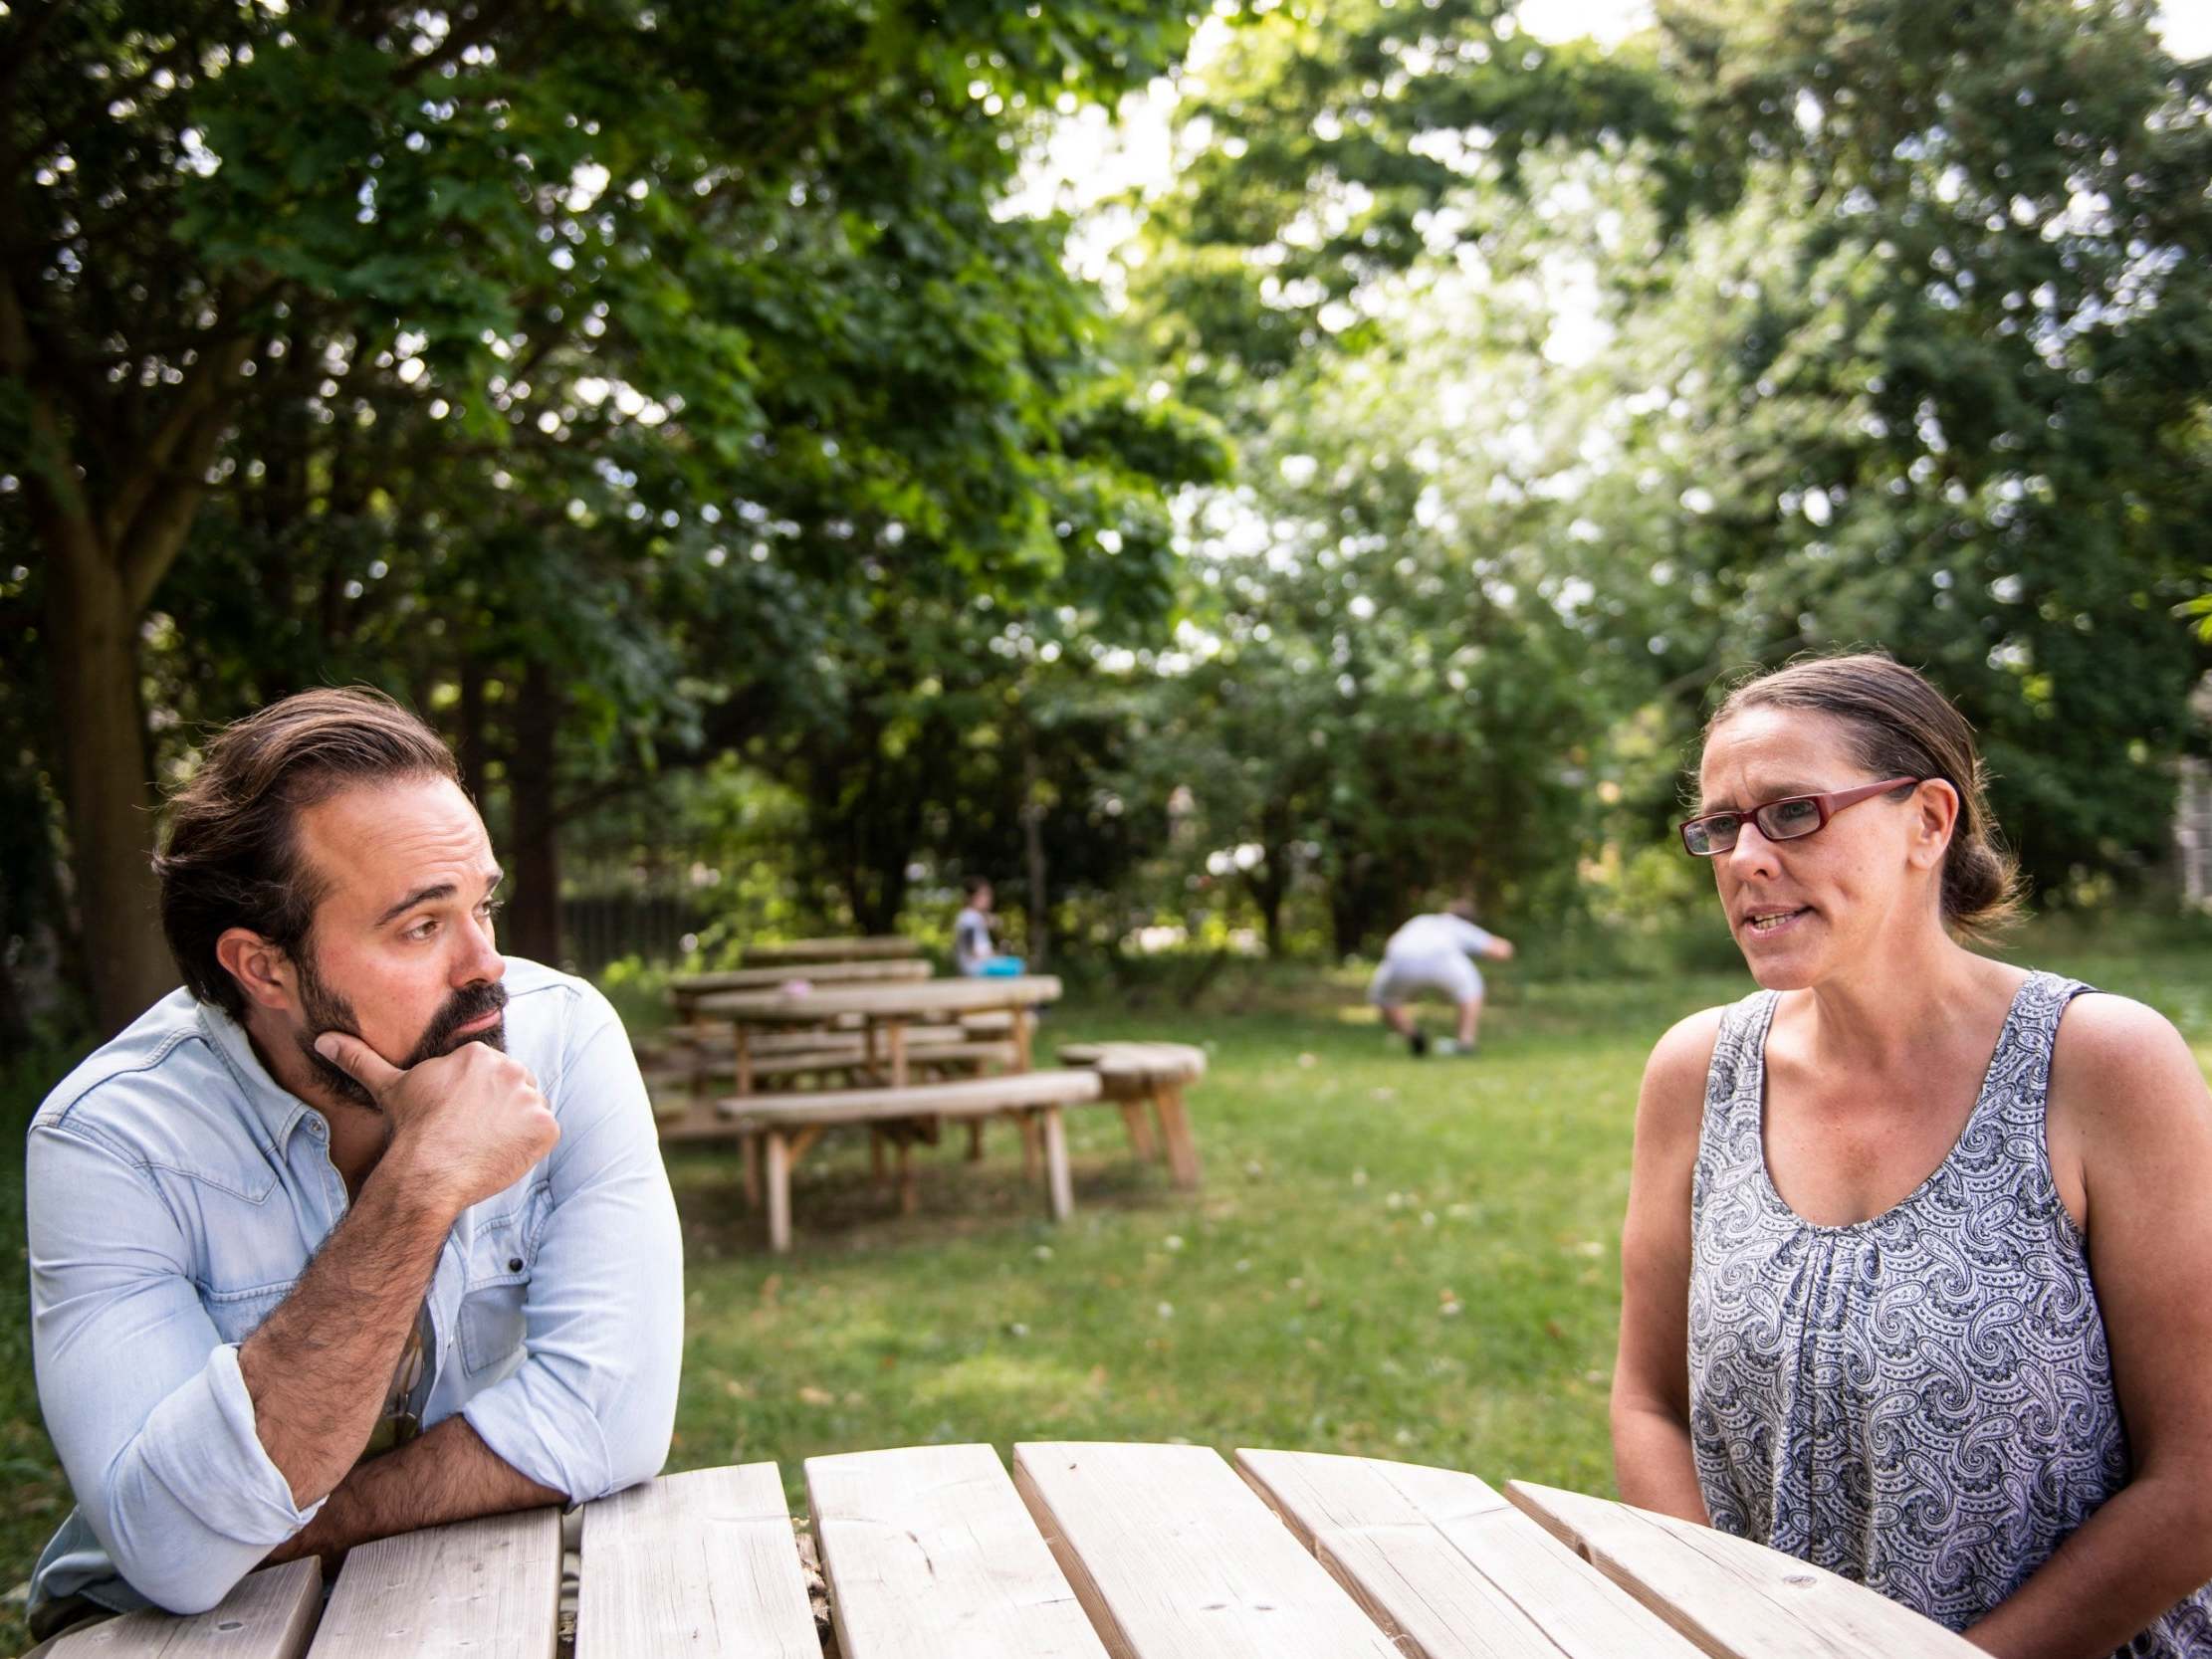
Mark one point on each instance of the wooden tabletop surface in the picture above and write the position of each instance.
(1081, 1550)
(913, 1000)
(819, 973)
(873, 947)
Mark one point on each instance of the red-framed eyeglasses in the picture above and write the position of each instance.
(1787, 819)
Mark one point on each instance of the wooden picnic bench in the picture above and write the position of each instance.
(926, 1062)
(785, 1126)
(1084, 1550)
(1140, 1075)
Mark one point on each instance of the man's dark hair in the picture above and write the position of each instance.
(972, 885)
(232, 859)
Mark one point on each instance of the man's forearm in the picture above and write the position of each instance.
(447, 1475)
(320, 1366)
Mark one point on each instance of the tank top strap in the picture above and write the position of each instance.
(1729, 1138)
(2019, 1083)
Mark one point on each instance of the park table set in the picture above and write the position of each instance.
(887, 1010)
(876, 1016)
(1082, 1550)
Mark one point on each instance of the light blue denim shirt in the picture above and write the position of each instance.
(175, 1193)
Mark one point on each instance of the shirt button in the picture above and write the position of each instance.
(514, 1264)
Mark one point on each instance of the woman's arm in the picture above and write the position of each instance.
(1651, 1377)
(2130, 1126)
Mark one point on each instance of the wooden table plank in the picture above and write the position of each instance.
(930, 1554)
(1734, 1599)
(868, 949)
(269, 1615)
(698, 1564)
(489, 1587)
(1443, 1563)
(1174, 1557)
(820, 974)
(913, 1000)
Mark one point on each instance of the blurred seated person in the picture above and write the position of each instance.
(362, 1230)
(975, 954)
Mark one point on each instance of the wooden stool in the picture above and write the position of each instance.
(1134, 1075)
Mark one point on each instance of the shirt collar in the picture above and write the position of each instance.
(279, 1109)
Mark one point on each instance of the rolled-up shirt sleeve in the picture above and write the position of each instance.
(142, 1397)
(592, 1405)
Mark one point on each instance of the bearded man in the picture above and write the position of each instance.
(364, 1229)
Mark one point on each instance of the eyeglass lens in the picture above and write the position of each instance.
(1777, 821)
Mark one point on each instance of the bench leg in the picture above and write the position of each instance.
(1031, 1145)
(1141, 1141)
(1174, 1128)
(751, 1145)
(1059, 1184)
(974, 1141)
(779, 1192)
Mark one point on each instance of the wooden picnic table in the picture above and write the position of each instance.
(873, 947)
(686, 990)
(886, 1011)
(1084, 1550)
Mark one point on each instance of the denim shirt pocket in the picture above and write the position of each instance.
(236, 1314)
(496, 1285)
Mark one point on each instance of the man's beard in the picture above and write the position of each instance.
(326, 1010)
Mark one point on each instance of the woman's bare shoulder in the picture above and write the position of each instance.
(1688, 1047)
(2120, 1065)
(1673, 1094)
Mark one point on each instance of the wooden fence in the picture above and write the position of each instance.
(596, 930)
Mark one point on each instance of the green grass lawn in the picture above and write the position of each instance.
(1389, 1256)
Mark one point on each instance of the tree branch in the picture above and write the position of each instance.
(489, 20)
(58, 502)
(147, 542)
(209, 379)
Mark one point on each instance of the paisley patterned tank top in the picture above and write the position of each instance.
(1922, 1401)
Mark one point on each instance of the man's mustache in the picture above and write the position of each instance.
(468, 1003)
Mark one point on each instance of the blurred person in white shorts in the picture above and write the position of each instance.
(1433, 955)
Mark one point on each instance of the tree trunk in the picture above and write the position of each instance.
(15, 1021)
(1033, 842)
(475, 759)
(880, 891)
(534, 928)
(1267, 896)
(93, 644)
(104, 559)
(1349, 905)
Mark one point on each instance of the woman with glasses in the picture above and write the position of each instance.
(1918, 1265)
